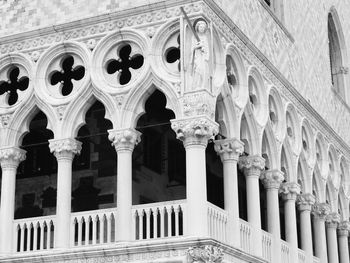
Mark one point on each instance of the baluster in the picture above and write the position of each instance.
(169, 210)
(48, 246)
(155, 223)
(87, 230)
(42, 226)
(21, 249)
(28, 237)
(35, 238)
(80, 230)
(109, 232)
(162, 222)
(94, 229)
(102, 229)
(136, 228)
(148, 223)
(72, 231)
(141, 224)
(177, 209)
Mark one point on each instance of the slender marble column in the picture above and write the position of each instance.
(9, 159)
(124, 142)
(229, 151)
(305, 203)
(253, 165)
(320, 211)
(272, 180)
(64, 150)
(195, 133)
(289, 192)
(332, 221)
(343, 233)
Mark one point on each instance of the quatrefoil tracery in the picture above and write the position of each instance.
(123, 64)
(67, 74)
(13, 85)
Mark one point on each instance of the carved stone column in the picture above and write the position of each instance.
(229, 151)
(289, 192)
(64, 150)
(195, 133)
(10, 158)
(332, 221)
(320, 211)
(272, 180)
(252, 166)
(343, 233)
(205, 254)
(124, 142)
(305, 203)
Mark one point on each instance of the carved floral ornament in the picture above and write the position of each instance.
(205, 254)
(65, 146)
(229, 149)
(321, 210)
(272, 178)
(289, 190)
(124, 139)
(254, 164)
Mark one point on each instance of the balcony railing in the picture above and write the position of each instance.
(93, 227)
(266, 245)
(245, 236)
(217, 222)
(32, 234)
(301, 256)
(285, 251)
(159, 220)
(316, 260)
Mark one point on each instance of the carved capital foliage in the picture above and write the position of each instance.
(65, 148)
(205, 254)
(305, 202)
(321, 210)
(10, 157)
(229, 149)
(252, 165)
(124, 139)
(290, 190)
(195, 131)
(332, 220)
(343, 228)
(272, 179)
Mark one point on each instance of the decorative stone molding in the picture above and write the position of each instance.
(124, 139)
(290, 190)
(332, 220)
(321, 210)
(343, 70)
(205, 254)
(199, 103)
(272, 179)
(343, 228)
(5, 120)
(252, 165)
(195, 131)
(229, 149)
(11, 157)
(305, 202)
(65, 148)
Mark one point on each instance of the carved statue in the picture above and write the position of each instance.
(200, 56)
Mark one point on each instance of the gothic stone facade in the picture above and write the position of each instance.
(262, 84)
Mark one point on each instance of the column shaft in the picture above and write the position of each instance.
(124, 196)
(320, 211)
(253, 201)
(332, 245)
(343, 232)
(305, 202)
(196, 190)
(273, 216)
(9, 158)
(290, 222)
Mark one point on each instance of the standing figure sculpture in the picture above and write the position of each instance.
(200, 56)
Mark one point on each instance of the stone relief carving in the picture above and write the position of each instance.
(5, 120)
(199, 103)
(205, 254)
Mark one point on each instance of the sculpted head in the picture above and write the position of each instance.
(201, 26)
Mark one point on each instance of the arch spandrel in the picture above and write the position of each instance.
(249, 133)
(334, 168)
(271, 147)
(290, 162)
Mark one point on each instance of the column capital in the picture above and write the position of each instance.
(272, 179)
(343, 228)
(10, 157)
(252, 165)
(205, 254)
(321, 210)
(305, 201)
(195, 130)
(65, 148)
(229, 149)
(332, 220)
(124, 139)
(290, 190)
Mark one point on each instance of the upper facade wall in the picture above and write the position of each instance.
(301, 52)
